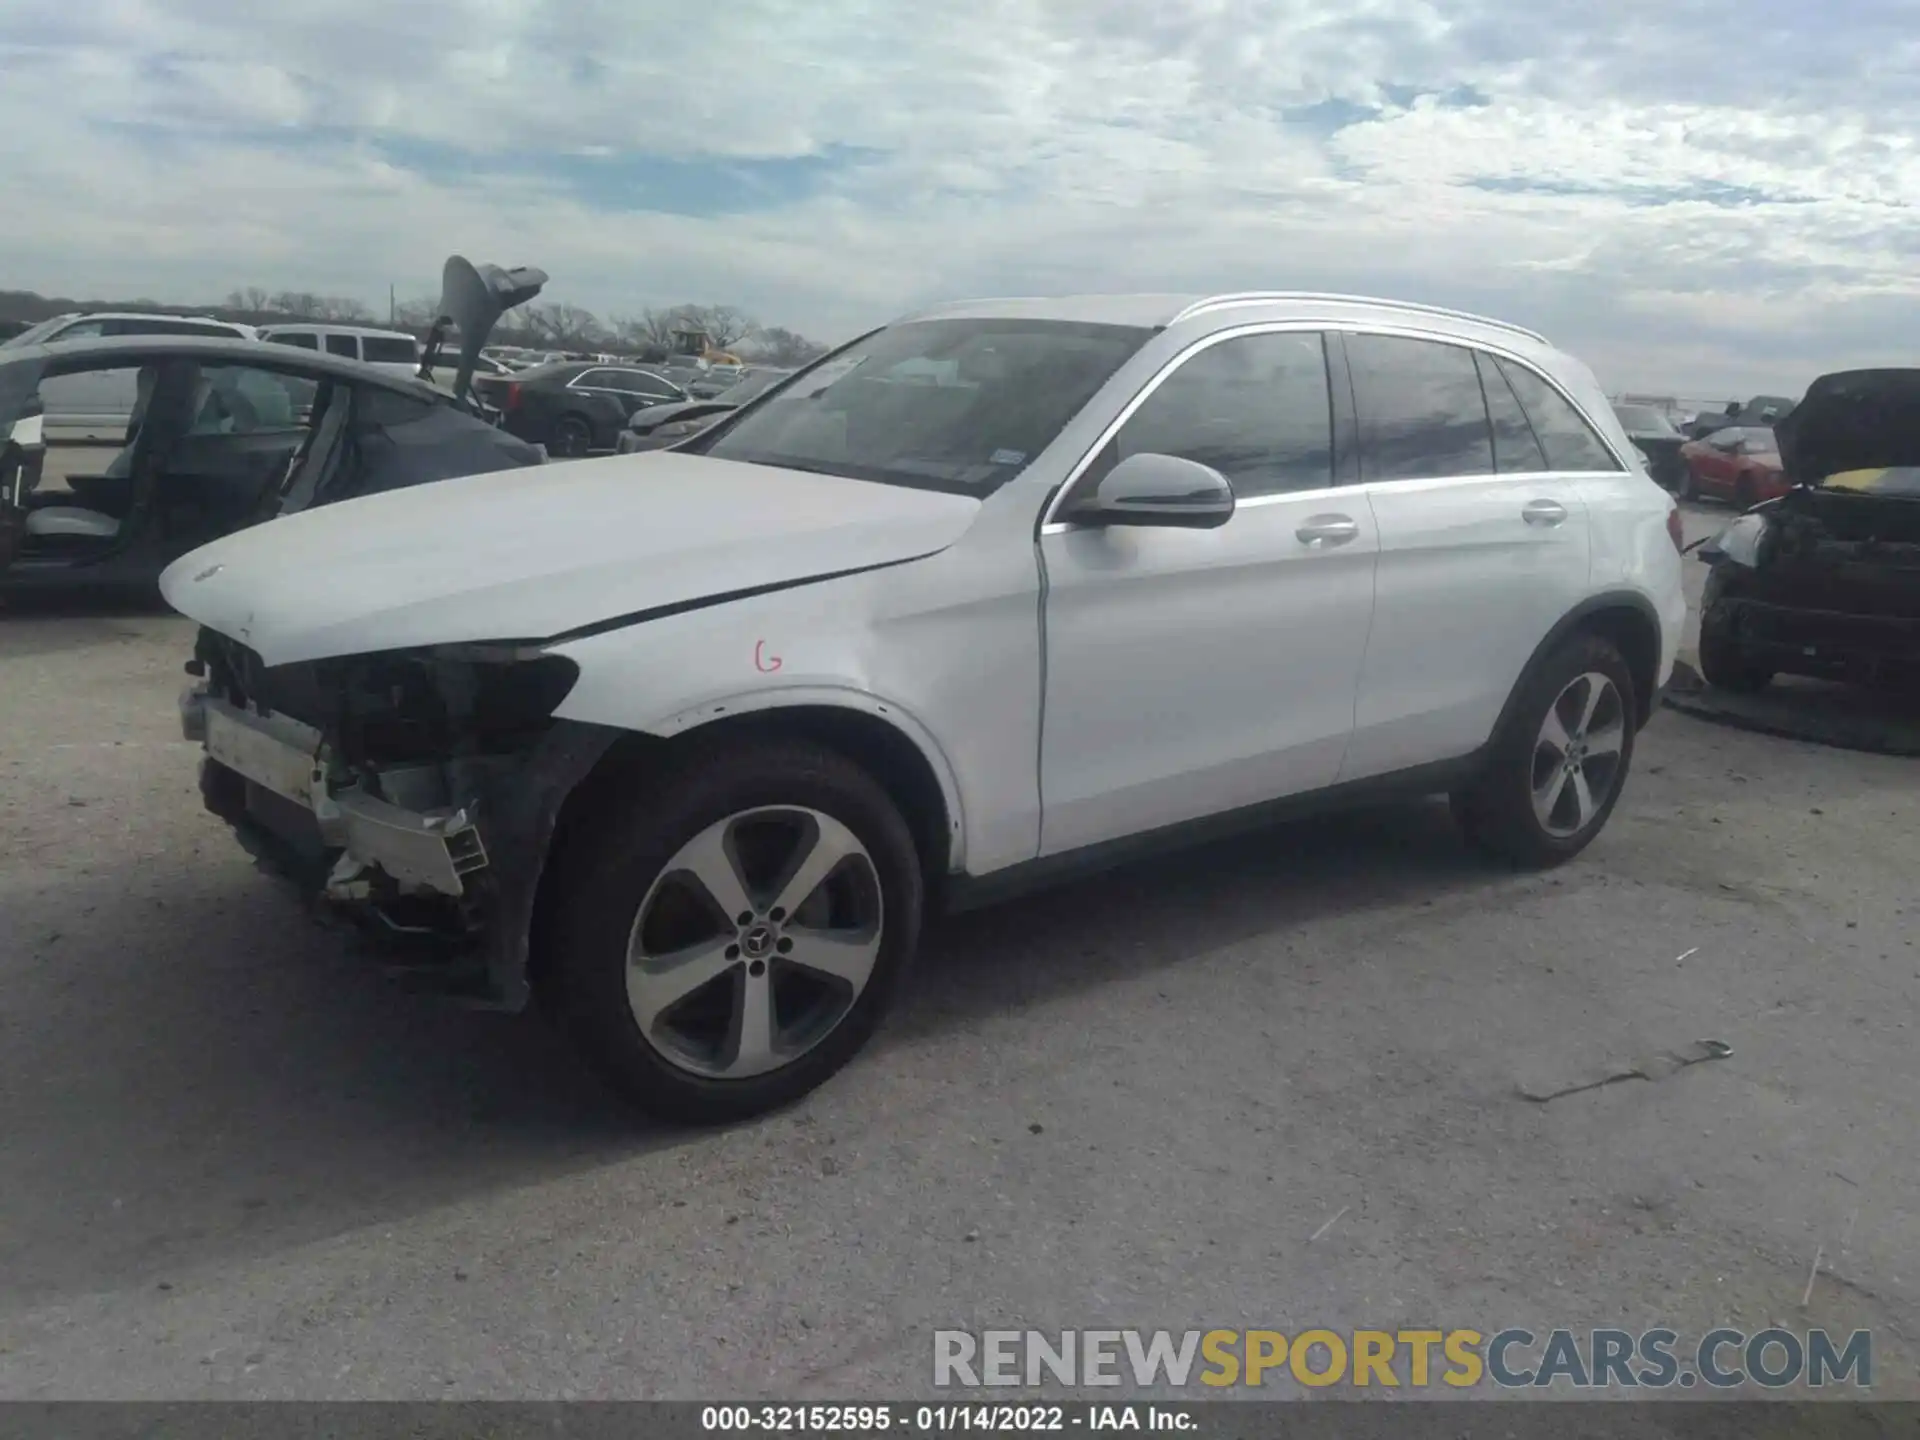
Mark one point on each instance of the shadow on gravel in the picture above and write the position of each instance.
(215, 1074)
(1848, 717)
(1153, 914)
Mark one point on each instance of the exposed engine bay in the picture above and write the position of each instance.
(414, 790)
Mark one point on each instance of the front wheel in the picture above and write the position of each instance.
(1555, 770)
(728, 941)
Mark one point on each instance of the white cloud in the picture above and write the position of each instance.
(1708, 195)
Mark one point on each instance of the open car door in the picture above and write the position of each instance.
(248, 424)
(22, 452)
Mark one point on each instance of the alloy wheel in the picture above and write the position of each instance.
(755, 941)
(1576, 758)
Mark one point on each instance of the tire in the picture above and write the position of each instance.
(1724, 666)
(623, 891)
(572, 437)
(1689, 486)
(1743, 494)
(1498, 810)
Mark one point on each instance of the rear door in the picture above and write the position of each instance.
(1193, 672)
(1483, 547)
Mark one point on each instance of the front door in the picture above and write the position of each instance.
(1192, 672)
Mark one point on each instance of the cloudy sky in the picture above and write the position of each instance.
(1697, 195)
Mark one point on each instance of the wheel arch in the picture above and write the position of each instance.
(879, 735)
(1625, 617)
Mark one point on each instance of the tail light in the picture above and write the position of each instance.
(1676, 529)
(511, 400)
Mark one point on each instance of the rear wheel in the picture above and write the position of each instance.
(1557, 767)
(1743, 500)
(730, 941)
(572, 437)
(1689, 487)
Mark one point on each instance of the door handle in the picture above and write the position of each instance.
(1323, 531)
(1544, 512)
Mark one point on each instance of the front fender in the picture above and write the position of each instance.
(837, 697)
(672, 675)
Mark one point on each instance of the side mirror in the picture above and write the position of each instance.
(1159, 490)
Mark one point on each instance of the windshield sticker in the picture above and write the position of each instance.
(1007, 457)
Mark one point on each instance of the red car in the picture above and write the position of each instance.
(1741, 464)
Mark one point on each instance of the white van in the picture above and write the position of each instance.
(388, 349)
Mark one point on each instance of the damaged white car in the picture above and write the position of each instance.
(686, 743)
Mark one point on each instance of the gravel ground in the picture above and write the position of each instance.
(1274, 1083)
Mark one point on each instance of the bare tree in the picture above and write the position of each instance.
(416, 314)
(344, 310)
(724, 325)
(301, 304)
(776, 345)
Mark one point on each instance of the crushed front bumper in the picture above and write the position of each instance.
(1821, 643)
(434, 850)
(473, 865)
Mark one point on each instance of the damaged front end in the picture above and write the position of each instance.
(416, 790)
(1823, 582)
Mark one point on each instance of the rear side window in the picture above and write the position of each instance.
(1257, 409)
(387, 350)
(1422, 415)
(344, 345)
(295, 337)
(1516, 449)
(1568, 440)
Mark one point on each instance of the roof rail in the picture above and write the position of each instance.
(1255, 297)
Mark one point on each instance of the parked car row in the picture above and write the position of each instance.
(659, 426)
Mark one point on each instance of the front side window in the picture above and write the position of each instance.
(1256, 408)
(299, 338)
(1567, 438)
(80, 330)
(958, 405)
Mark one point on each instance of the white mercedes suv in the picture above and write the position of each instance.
(685, 744)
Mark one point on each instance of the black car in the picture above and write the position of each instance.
(572, 407)
(1825, 579)
(658, 426)
(1654, 435)
(1761, 412)
(214, 434)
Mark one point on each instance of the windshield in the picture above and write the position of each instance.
(742, 391)
(1643, 420)
(955, 405)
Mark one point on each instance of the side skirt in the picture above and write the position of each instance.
(971, 892)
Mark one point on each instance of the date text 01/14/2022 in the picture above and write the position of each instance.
(940, 1419)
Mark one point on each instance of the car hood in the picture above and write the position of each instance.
(537, 553)
(1852, 420)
